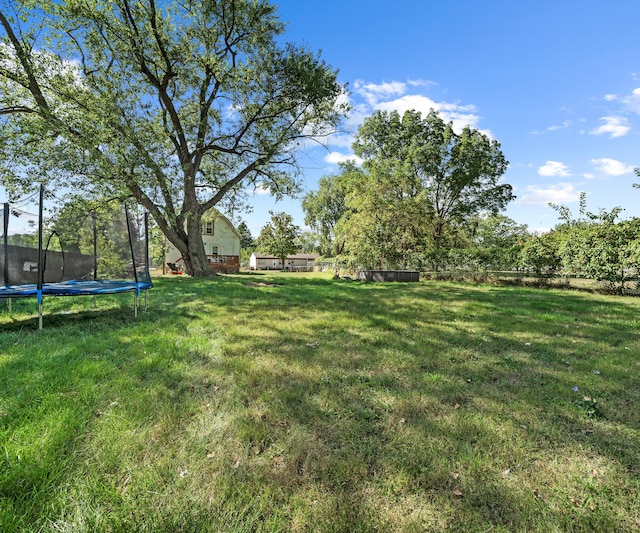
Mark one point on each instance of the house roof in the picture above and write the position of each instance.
(229, 223)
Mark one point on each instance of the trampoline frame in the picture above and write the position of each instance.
(76, 287)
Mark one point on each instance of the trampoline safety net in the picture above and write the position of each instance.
(79, 249)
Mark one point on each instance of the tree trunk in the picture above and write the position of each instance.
(195, 260)
(437, 234)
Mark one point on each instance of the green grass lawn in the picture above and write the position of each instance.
(292, 402)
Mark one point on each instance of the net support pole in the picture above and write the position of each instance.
(133, 255)
(94, 217)
(146, 241)
(40, 257)
(5, 235)
(146, 257)
(5, 243)
(133, 261)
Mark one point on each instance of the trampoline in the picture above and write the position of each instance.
(82, 251)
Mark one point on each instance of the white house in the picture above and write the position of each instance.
(297, 262)
(221, 244)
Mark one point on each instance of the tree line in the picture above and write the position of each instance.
(428, 198)
(592, 245)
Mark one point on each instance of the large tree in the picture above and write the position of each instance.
(385, 222)
(455, 175)
(182, 105)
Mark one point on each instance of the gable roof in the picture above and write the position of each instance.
(233, 228)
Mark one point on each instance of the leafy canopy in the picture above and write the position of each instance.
(418, 179)
(182, 105)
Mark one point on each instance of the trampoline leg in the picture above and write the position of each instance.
(95, 301)
(39, 316)
(135, 305)
(9, 304)
(146, 300)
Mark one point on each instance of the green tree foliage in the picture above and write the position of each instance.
(309, 242)
(181, 105)
(598, 247)
(458, 174)
(541, 254)
(419, 178)
(247, 244)
(246, 239)
(279, 237)
(590, 245)
(29, 240)
(489, 242)
(385, 222)
(325, 207)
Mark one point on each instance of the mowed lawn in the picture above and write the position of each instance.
(293, 402)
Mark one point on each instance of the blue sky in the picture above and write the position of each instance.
(556, 82)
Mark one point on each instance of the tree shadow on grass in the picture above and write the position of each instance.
(505, 358)
(351, 407)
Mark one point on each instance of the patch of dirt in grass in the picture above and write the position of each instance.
(261, 284)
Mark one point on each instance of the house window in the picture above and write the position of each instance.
(214, 250)
(207, 228)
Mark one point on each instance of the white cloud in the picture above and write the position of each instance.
(557, 194)
(611, 167)
(553, 127)
(613, 126)
(562, 126)
(337, 157)
(554, 168)
(385, 88)
(610, 97)
(380, 96)
(373, 92)
(632, 100)
(418, 102)
(459, 115)
(259, 190)
(421, 83)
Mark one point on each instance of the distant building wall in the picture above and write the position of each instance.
(301, 262)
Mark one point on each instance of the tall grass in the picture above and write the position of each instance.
(298, 403)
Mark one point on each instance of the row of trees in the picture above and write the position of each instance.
(591, 245)
(427, 197)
